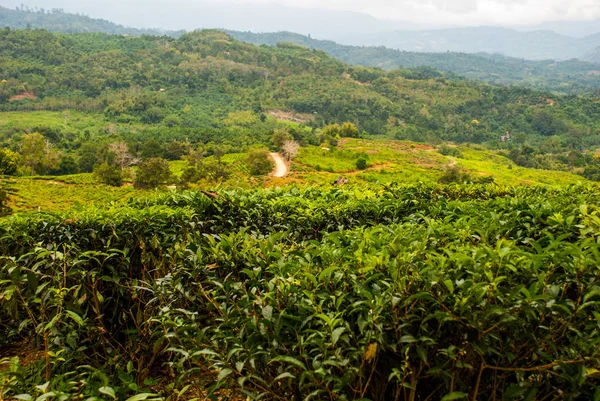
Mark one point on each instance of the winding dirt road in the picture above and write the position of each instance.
(281, 168)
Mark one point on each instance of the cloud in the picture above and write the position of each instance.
(472, 12)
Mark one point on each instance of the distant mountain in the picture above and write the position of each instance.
(59, 21)
(571, 76)
(232, 14)
(349, 28)
(576, 29)
(594, 55)
(535, 45)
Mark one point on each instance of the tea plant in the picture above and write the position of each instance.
(414, 292)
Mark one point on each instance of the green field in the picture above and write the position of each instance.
(404, 161)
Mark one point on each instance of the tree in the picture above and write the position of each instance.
(67, 165)
(152, 149)
(259, 161)
(193, 171)
(38, 154)
(175, 150)
(290, 149)
(152, 173)
(109, 174)
(280, 137)
(349, 130)
(9, 162)
(332, 130)
(122, 157)
(547, 123)
(172, 121)
(88, 157)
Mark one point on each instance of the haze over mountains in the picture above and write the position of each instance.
(532, 45)
(560, 40)
(570, 76)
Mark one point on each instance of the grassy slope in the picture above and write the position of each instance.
(389, 161)
(405, 161)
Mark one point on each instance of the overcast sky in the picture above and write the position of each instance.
(188, 14)
(459, 12)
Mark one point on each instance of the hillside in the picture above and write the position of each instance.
(572, 76)
(427, 237)
(566, 77)
(594, 55)
(196, 80)
(57, 20)
(388, 162)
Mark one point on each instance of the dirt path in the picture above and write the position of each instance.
(281, 168)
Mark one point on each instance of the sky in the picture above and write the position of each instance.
(351, 15)
(460, 12)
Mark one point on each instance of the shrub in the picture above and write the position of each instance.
(9, 162)
(455, 174)
(259, 161)
(592, 172)
(361, 163)
(152, 173)
(450, 151)
(411, 292)
(109, 175)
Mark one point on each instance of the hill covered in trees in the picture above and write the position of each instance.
(572, 76)
(57, 20)
(195, 81)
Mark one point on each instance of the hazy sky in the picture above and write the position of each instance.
(431, 12)
(462, 11)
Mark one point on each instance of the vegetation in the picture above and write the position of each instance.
(373, 291)
(570, 76)
(259, 162)
(151, 173)
(57, 20)
(109, 175)
(405, 292)
(206, 90)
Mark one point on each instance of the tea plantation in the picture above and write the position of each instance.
(404, 292)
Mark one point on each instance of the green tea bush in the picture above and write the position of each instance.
(407, 292)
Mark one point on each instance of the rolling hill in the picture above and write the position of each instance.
(57, 20)
(571, 76)
(196, 80)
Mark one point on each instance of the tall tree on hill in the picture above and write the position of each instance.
(38, 154)
(122, 157)
(290, 149)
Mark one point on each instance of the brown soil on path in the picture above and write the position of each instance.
(281, 169)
